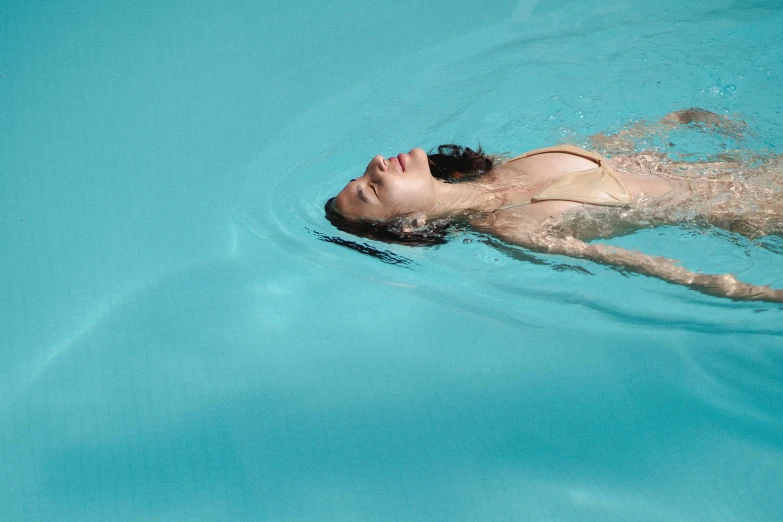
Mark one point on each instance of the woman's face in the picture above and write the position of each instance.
(397, 186)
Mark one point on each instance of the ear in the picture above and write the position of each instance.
(415, 222)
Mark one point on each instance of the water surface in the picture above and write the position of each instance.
(180, 343)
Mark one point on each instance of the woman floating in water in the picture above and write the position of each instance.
(555, 200)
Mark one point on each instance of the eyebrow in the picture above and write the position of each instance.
(363, 196)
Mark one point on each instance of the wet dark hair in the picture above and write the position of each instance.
(452, 164)
(391, 232)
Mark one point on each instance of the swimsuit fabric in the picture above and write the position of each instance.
(597, 186)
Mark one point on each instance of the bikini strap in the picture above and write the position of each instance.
(521, 203)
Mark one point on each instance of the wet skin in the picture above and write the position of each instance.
(403, 187)
(397, 186)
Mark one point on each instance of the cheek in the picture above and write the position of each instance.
(410, 197)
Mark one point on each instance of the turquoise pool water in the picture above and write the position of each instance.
(179, 343)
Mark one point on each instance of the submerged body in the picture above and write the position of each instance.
(556, 200)
(652, 191)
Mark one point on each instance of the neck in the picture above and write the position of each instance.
(471, 196)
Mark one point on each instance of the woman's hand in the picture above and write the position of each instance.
(696, 116)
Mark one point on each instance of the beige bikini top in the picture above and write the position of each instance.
(598, 186)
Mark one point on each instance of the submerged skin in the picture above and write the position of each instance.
(402, 188)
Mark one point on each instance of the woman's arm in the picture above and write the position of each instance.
(722, 285)
(623, 141)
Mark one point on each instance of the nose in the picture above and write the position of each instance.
(380, 161)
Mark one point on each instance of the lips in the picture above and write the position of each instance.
(402, 159)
